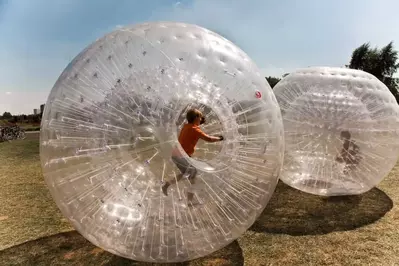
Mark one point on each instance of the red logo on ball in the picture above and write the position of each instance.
(258, 94)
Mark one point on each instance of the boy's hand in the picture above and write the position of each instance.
(221, 138)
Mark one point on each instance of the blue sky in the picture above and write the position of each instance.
(40, 37)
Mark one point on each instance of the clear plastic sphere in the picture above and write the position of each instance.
(341, 130)
(111, 124)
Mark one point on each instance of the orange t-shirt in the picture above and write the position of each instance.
(189, 136)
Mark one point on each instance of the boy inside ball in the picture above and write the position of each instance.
(349, 153)
(188, 138)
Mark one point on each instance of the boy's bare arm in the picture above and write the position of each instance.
(208, 138)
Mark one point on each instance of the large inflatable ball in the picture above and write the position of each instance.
(110, 148)
(341, 130)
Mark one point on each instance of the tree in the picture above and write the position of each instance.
(382, 63)
(359, 56)
(272, 81)
(7, 115)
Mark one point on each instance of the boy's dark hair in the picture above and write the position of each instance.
(191, 115)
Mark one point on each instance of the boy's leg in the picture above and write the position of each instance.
(191, 178)
(183, 165)
(193, 174)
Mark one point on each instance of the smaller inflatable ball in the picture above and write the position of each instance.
(110, 133)
(341, 130)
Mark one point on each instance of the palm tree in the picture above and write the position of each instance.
(382, 63)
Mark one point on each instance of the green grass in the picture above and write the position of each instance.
(29, 126)
(27, 209)
(295, 229)
(71, 248)
(33, 128)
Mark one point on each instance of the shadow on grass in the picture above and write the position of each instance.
(293, 212)
(71, 248)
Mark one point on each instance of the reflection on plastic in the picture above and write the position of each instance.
(110, 126)
(341, 130)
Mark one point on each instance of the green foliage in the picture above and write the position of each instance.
(7, 115)
(382, 63)
(272, 81)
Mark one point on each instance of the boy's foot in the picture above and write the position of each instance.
(191, 202)
(192, 180)
(165, 188)
(190, 196)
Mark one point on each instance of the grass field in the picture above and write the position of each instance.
(295, 228)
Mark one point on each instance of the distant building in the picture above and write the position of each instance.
(35, 111)
(41, 108)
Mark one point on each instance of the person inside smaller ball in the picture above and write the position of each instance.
(188, 138)
(349, 152)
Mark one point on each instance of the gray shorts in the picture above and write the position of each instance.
(184, 166)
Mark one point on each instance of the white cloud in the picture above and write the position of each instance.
(8, 92)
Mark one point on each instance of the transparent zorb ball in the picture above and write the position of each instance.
(111, 125)
(341, 130)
